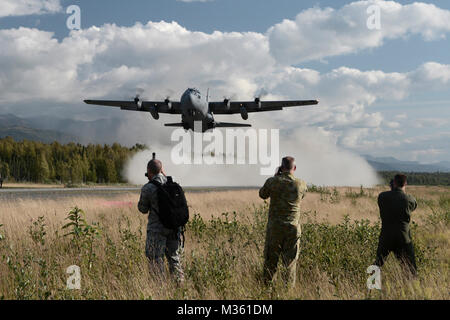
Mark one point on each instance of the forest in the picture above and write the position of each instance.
(420, 178)
(32, 161)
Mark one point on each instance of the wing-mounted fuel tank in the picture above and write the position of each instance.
(154, 112)
(244, 112)
(153, 109)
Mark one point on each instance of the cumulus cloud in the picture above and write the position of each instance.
(163, 58)
(97, 61)
(346, 96)
(28, 7)
(318, 33)
(112, 62)
(431, 122)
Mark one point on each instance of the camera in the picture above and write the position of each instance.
(153, 158)
(279, 171)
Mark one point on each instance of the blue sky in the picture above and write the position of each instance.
(417, 116)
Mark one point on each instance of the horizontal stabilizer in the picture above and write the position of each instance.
(228, 124)
(178, 124)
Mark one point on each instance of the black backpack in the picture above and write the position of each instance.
(173, 209)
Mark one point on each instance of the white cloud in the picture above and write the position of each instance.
(164, 58)
(345, 98)
(113, 61)
(318, 33)
(28, 7)
(426, 155)
(430, 122)
(433, 75)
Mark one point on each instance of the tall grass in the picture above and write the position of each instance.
(222, 258)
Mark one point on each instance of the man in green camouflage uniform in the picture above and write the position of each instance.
(395, 212)
(283, 229)
(160, 240)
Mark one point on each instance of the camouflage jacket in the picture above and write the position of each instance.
(285, 192)
(148, 203)
(395, 212)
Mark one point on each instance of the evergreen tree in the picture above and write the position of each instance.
(32, 161)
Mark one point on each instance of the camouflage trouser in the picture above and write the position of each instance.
(166, 243)
(281, 240)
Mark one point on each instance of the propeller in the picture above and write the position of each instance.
(258, 102)
(168, 102)
(260, 94)
(137, 97)
(169, 93)
(227, 102)
(137, 100)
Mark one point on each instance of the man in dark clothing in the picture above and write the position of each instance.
(395, 212)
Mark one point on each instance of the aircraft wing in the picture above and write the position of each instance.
(172, 107)
(231, 107)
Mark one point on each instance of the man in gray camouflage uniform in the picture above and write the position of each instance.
(160, 240)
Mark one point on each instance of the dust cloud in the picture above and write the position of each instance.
(319, 160)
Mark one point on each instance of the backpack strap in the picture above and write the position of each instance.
(156, 183)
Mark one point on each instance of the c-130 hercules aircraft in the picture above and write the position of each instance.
(193, 106)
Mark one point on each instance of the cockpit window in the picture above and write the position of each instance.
(195, 91)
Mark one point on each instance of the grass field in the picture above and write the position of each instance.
(223, 252)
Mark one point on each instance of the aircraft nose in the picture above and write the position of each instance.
(187, 100)
(191, 99)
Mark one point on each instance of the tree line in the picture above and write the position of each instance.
(420, 178)
(32, 161)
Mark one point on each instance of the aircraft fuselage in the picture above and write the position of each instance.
(194, 107)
